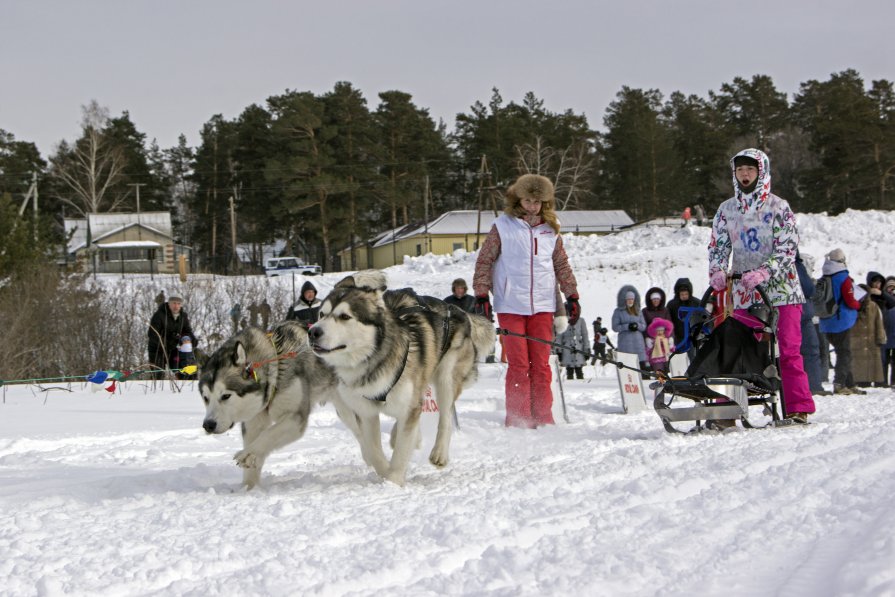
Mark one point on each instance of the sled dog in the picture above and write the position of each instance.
(385, 347)
(266, 383)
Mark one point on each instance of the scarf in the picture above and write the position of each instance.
(661, 349)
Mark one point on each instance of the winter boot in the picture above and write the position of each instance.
(858, 391)
(579, 373)
(798, 418)
(570, 373)
(840, 389)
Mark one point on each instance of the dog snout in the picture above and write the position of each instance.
(314, 333)
(209, 425)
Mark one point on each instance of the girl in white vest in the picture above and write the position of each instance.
(521, 263)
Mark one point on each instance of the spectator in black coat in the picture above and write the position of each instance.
(169, 323)
(683, 297)
(307, 310)
(459, 298)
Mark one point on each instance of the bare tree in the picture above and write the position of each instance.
(92, 166)
(571, 170)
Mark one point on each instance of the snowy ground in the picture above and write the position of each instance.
(125, 495)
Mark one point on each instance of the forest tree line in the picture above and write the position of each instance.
(326, 171)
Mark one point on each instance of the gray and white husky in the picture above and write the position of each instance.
(385, 347)
(269, 385)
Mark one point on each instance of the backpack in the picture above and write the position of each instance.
(823, 300)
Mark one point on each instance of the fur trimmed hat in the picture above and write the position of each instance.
(532, 186)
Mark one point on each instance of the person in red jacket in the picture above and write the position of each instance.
(521, 263)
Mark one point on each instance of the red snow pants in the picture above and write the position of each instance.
(528, 396)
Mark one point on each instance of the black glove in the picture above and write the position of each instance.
(483, 307)
(633, 327)
(574, 309)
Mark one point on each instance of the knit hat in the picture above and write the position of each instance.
(175, 299)
(655, 295)
(836, 255)
(744, 160)
(630, 295)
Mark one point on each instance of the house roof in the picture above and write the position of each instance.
(130, 244)
(107, 224)
(467, 222)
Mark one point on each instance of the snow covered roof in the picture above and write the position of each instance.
(130, 244)
(107, 224)
(467, 222)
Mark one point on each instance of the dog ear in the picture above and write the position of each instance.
(240, 358)
(346, 282)
(371, 280)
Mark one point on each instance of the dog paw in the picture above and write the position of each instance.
(396, 478)
(438, 458)
(246, 459)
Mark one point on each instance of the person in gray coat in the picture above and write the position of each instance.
(575, 349)
(628, 321)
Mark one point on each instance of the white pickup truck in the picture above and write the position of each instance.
(282, 266)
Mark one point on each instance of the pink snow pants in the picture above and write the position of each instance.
(796, 393)
(528, 395)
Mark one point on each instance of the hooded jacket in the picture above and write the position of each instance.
(629, 340)
(883, 300)
(676, 303)
(305, 312)
(650, 312)
(758, 229)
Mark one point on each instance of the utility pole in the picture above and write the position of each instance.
(478, 223)
(30, 195)
(137, 186)
(233, 232)
(427, 242)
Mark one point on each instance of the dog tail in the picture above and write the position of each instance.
(483, 335)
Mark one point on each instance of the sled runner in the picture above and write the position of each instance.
(734, 375)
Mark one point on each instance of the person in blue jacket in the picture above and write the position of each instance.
(838, 326)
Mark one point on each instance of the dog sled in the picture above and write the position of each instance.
(734, 374)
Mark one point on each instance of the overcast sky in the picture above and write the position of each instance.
(173, 65)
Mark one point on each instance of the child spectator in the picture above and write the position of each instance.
(575, 348)
(185, 357)
(658, 344)
(601, 339)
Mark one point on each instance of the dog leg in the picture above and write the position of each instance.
(371, 445)
(406, 434)
(446, 395)
(250, 462)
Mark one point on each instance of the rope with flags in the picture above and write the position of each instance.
(99, 377)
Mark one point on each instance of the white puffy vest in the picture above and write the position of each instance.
(524, 282)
